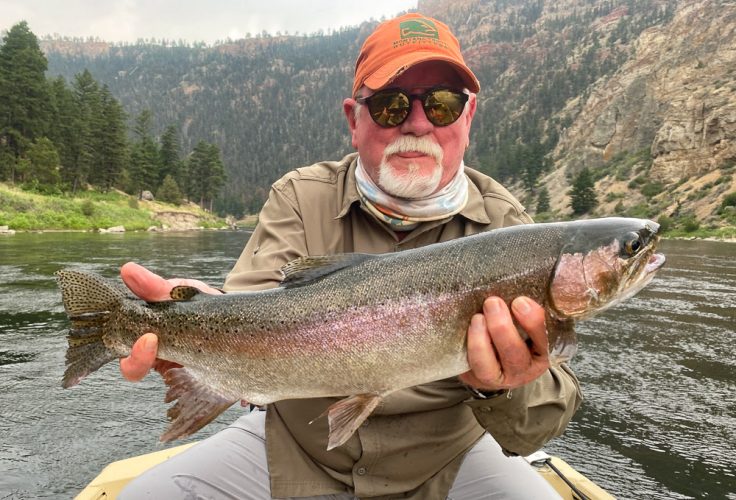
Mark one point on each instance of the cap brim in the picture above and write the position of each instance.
(389, 72)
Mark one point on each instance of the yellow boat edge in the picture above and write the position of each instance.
(116, 475)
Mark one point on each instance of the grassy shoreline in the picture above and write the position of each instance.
(23, 211)
(90, 211)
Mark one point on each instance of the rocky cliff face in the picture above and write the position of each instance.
(675, 99)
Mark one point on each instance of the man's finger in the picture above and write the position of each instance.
(531, 318)
(513, 353)
(145, 284)
(482, 358)
(141, 359)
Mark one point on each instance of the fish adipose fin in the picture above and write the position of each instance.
(305, 269)
(197, 404)
(345, 416)
(183, 293)
(88, 300)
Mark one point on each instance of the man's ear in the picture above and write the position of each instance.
(348, 107)
(472, 104)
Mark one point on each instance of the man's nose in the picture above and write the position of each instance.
(416, 123)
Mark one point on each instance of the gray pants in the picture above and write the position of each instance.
(232, 464)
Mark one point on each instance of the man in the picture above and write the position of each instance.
(409, 117)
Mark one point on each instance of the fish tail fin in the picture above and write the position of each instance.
(197, 404)
(88, 300)
(346, 415)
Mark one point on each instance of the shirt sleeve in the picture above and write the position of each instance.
(277, 239)
(524, 419)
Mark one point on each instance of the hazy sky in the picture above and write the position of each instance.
(190, 20)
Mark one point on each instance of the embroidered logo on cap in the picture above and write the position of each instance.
(418, 28)
(418, 31)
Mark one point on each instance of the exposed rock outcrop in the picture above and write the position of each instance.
(178, 221)
(676, 98)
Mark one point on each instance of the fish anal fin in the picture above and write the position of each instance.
(183, 293)
(346, 415)
(197, 404)
(563, 341)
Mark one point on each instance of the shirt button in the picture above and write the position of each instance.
(366, 422)
(361, 471)
(485, 409)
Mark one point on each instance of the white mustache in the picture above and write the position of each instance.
(410, 143)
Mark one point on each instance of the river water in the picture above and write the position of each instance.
(658, 372)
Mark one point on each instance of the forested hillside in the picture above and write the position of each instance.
(274, 103)
(61, 138)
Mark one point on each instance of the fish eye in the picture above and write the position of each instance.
(632, 244)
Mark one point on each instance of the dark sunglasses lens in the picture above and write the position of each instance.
(444, 107)
(389, 109)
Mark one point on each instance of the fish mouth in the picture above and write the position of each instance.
(655, 262)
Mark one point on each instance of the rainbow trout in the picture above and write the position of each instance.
(356, 325)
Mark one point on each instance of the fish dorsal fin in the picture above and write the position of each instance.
(305, 269)
(183, 293)
(197, 404)
(346, 415)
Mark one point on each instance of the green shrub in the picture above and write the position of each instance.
(169, 191)
(88, 208)
(729, 200)
(637, 181)
(722, 179)
(640, 211)
(613, 197)
(690, 224)
(133, 203)
(665, 223)
(652, 189)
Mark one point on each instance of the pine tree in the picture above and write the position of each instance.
(170, 154)
(543, 200)
(43, 167)
(85, 152)
(582, 195)
(169, 191)
(112, 143)
(24, 93)
(206, 174)
(64, 129)
(216, 174)
(144, 156)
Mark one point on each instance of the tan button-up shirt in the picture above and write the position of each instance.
(413, 444)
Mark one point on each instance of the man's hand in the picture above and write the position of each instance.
(499, 357)
(151, 288)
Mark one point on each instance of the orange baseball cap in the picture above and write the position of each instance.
(400, 43)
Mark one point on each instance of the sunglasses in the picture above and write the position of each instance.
(391, 107)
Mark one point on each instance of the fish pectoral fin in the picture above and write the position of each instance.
(183, 293)
(345, 416)
(563, 341)
(197, 404)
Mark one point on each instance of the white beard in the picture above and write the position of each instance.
(413, 184)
